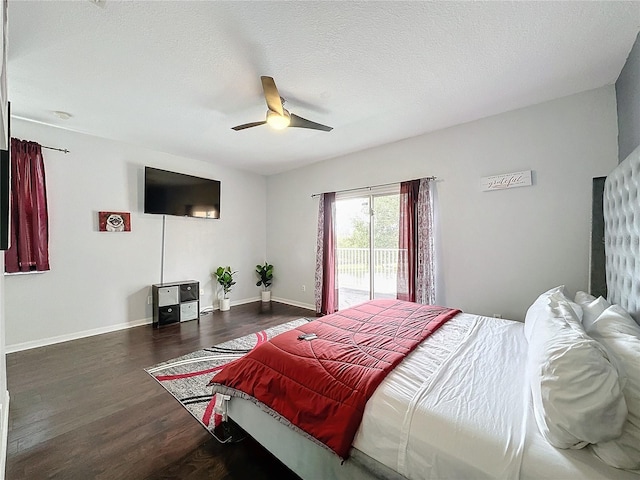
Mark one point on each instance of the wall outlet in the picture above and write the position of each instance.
(304, 288)
(497, 315)
(149, 300)
(202, 291)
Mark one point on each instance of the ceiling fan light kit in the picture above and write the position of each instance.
(277, 116)
(277, 121)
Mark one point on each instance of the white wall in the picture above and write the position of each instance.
(500, 249)
(100, 281)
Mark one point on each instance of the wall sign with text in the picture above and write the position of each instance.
(506, 180)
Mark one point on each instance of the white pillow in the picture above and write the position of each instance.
(577, 398)
(620, 335)
(591, 306)
(539, 309)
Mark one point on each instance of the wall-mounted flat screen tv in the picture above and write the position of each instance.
(170, 193)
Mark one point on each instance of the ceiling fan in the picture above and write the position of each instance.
(277, 116)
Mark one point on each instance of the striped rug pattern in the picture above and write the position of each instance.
(186, 377)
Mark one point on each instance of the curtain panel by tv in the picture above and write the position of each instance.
(416, 269)
(326, 292)
(29, 250)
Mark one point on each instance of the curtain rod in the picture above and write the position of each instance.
(58, 149)
(55, 148)
(370, 187)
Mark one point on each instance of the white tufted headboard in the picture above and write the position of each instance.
(622, 234)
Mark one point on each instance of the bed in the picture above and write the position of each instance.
(463, 404)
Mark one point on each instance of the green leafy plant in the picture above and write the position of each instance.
(225, 278)
(265, 272)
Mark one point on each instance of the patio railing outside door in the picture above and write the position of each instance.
(354, 275)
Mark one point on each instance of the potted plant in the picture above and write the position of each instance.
(265, 272)
(224, 276)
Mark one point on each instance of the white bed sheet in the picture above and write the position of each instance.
(441, 417)
(460, 407)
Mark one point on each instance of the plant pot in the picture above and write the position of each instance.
(225, 304)
(266, 295)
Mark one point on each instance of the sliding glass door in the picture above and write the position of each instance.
(367, 238)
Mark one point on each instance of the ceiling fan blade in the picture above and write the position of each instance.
(300, 122)
(271, 95)
(248, 125)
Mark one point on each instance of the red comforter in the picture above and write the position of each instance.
(322, 385)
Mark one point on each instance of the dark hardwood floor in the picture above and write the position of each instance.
(86, 409)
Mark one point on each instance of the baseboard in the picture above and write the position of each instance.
(258, 299)
(75, 336)
(246, 300)
(213, 308)
(18, 347)
(308, 306)
(4, 441)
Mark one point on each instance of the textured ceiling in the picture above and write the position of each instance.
(176, 76)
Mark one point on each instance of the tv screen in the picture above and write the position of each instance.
(170, 193)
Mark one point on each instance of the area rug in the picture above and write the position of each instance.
(186, 377)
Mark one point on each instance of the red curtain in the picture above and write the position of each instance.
(329, 284)
(29, 250)
(407, 242)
